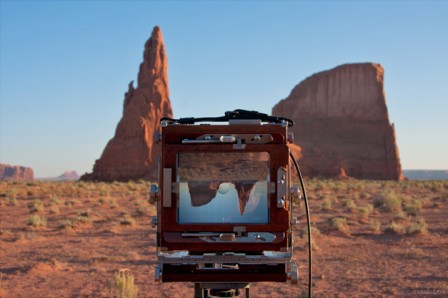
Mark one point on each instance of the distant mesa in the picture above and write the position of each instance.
(15, 173)
(68, 175)
(426, 174)
(132, 153)
(342, 124)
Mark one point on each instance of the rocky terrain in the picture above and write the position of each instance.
(131, 154)
(370, 239)
(342, 123)
(15, 173)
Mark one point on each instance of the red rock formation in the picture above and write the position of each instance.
(342, 124)
(132, 154)
(16, 173)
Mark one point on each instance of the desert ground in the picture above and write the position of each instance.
(371, 239)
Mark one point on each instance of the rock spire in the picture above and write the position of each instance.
(132, 153)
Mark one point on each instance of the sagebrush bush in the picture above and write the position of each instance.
(350, 205)
(127, 220)
(365, 210)
(419, 226)
(413, 207)
(36, 206)
(340, 224)
(326, 205)
(388, 201)
(37, 221)
(395, 228)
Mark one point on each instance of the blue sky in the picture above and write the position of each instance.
(65, 65)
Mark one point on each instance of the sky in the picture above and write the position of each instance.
(65, 66)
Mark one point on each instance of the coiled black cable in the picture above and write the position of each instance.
(308, 219)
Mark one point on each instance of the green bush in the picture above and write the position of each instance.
(388, 201)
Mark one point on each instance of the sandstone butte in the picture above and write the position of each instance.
(15, 173)
(342, 124)
(132, 153)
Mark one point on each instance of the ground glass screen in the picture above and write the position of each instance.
(223, 187)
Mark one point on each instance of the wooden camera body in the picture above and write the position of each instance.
(224, 203)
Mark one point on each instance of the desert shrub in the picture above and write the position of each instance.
(363, 195)
(365, 210)
(69, 203)
(413, 207)
(54, 209)
(67, 223)
(350, 205)
(419, 226)
(388, 200)
(55, 200)
(395, 228)
(326, 205)
(12, 201)
(83, 217)
(144, 210)
(319, 186)
(85, 213)
(375, 225)
(82, 220)
(132, 186)
(337, 185)
(113, 203)
(340, 224)
(124, 285)
(37, 221)
(314, 231)
(127, 220)
(36, 206)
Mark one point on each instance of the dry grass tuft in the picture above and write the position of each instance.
(413, 207)
(123, 285)
(340, 224)
(326, 205)
(36, 206)
(37, 221)
(388, 201)
(395, 228)
(418, 226)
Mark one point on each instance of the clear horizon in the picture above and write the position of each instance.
(65, 66)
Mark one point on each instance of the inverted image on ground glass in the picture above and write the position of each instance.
(223, 187)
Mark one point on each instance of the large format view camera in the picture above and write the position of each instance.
(224, 202)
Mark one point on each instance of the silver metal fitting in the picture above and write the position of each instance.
(153, 193)
(154, 221)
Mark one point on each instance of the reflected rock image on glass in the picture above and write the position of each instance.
(202, 192)
(244, 189)
(235, 191)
